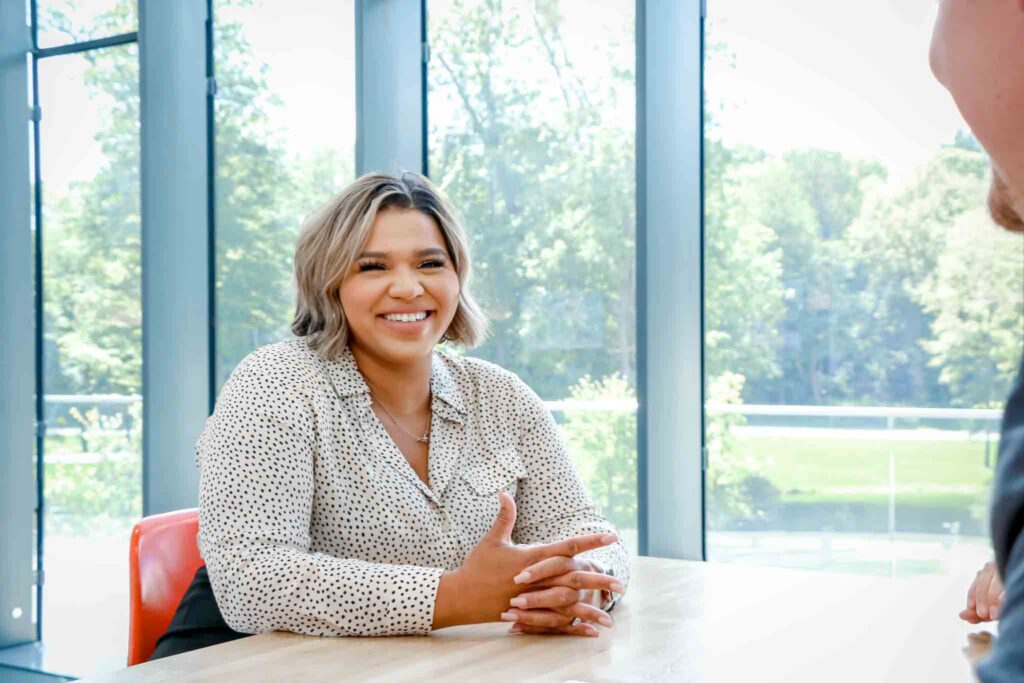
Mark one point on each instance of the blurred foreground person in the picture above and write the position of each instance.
(977, 53)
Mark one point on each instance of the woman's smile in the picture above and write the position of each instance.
(406, 322)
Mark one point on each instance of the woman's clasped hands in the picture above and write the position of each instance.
(539, 588)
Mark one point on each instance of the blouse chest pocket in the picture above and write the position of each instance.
(497, 471)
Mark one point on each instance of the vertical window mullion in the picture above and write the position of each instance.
(670, 269)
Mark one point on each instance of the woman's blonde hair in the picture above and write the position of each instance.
(333, 237)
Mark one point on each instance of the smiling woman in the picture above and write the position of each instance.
(357, 481)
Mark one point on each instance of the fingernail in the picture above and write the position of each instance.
(518, 602)
(617, 587)
(605, 621)
(609, 538)
(508, 616)
(523, 577)
(592, 632)
(516, 628)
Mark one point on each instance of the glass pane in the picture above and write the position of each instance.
(62, 22)
(863, 315)
(532, 135)
(285, 142)
(93, 346)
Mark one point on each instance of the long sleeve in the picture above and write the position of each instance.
(1006, 662)
(256, 459)
(552, 501)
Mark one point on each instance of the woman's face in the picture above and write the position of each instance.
(402, 292)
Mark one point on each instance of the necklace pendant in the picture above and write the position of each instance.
(423, 439)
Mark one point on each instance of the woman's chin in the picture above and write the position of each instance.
(401, 351)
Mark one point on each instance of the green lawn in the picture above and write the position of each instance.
(927, 473)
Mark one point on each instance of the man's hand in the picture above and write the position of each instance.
(985, 596)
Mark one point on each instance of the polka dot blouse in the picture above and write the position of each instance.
(312, 521)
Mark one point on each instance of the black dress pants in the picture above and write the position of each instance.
(197, 622)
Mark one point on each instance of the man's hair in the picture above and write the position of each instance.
(333, 237)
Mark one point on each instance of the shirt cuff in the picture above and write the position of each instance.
(415, 591)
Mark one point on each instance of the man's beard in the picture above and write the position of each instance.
(1001, 205)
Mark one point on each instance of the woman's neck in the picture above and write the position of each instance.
(404, 389)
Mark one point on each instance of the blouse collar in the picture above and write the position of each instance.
(447, 399)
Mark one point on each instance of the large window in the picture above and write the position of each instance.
(62, 22)
(92, 340)
(863, 315)
(285, 142)
(532, 136)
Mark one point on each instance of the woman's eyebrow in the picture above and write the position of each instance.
(430, 251)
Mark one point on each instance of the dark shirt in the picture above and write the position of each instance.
(1006, 663)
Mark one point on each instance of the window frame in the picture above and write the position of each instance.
(177, 79)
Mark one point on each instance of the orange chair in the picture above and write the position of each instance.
(163, 559)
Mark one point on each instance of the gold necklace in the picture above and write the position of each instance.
(425, 438)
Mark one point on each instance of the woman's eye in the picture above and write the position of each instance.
(370, 265)
(432, 263)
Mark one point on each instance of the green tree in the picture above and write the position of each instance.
(603, 447)
(976, 302)
(92, 268)
(895, 247)
(535, 155)
(263, 194)
(92, 292)
(808, 198)
(744, 301)
(92, 248)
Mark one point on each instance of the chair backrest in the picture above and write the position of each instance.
(163, 559)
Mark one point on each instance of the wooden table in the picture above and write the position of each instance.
(681, 621)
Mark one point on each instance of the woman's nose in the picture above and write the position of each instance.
(405, 285)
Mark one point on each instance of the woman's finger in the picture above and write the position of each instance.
(552, 566)
(585, 612)
(581, 629)
(585, 581)
(558, 596)
(571, 547)
(537, 617)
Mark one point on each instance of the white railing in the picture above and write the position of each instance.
(92, 399)
(629, 405)
(990, 417)
(855, 411)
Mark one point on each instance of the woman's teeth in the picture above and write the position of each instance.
(406, 317)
